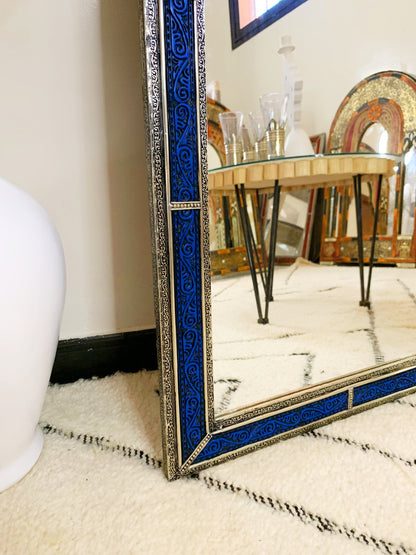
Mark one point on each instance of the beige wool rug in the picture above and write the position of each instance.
(317, 329)
(98, 487)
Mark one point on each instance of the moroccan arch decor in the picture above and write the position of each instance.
(229, 257)
(215, 137)
(371, 97)
(389, 98)
(383, 110)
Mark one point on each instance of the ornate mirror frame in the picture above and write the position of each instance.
(193, 437)
(387, 97)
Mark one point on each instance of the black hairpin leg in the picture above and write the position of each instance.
(261, 207)
(365, 291)
(266, 266)
(227, 222)
(359, 214)
(373, 239)
(242, 209)
(261, 267)
(273, 240)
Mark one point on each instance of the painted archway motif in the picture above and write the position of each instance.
(227, 249)
(389, 98)
(382, 110)
(215, 137)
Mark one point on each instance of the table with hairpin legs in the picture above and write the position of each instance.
(288, 174)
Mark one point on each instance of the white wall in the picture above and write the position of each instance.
(338, 43)
(72, 124)
(72, 136)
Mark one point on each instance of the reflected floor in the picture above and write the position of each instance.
(317, 329)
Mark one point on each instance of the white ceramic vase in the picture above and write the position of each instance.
(32, 290)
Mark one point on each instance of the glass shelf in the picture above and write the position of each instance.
(397, 157)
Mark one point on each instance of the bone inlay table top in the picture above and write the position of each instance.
(303, 172)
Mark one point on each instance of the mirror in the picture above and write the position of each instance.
(214, 160)
(374, 139)
(201, 428)
(409, 193)
(378, 113)
(297, 208)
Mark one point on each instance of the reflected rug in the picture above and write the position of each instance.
(317, 330)
(99, 487)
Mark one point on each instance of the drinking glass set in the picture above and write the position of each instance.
(262, 137)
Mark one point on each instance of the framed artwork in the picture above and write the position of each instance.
(249, 17)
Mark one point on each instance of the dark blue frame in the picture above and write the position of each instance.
(240, 35)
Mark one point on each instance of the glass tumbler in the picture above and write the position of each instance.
(231, 125)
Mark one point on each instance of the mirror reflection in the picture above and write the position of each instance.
(375, 139)
(317, 331)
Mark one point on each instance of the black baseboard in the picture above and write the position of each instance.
(104, 355)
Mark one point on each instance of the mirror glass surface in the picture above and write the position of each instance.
(214, 160)
(374, 139)
(317, 330)
(409, 193)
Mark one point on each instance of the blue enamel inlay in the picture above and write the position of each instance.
(181, 99)
(186, 225)
(187, 268)
(248, 434)
(381, 388)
